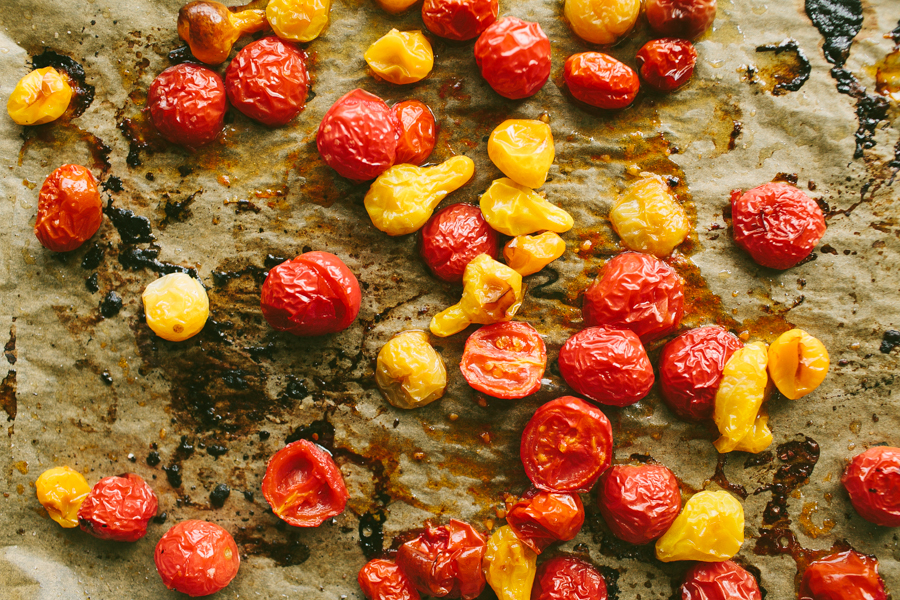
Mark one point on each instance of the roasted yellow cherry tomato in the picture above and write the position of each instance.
(211, 30)
(492, 292)
(798, 363)
(61, 490)
(710, 528)
(759, 437)
(528, 254)
(298, 20)
(514, 209)
(740, 395)
(395, 7)
(401, 57)
(40, 97)
(602, 22)
(509, 565)
(648, 219)
(176, 306)
(402, 199)
(523, 149)
(409, 372)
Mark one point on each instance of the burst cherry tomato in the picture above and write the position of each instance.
(187, 105)
(719, 581)
(303, 485)
(505, 360)
(690, 369)
(197, 558)
(541, 518)
(639, 503)
(445, 561)
(514, 57)
(69, 209)
(418, 132)
(566, 445)
(680, 18)
(382, 579)
(600, 80)
(873, 481)
(267, 81)
(777, 224)
(459, 19)
(118, 508)
(453, 237)
(667, 64)
(568, 578)
(846, 575)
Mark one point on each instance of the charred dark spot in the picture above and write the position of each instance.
(264, 435)
(110, 305)
(132, 228)
(8, 400)
(185, 448)
(82, 93)
(790, 178)
(720, 478)
(161, 518)
(889, 341)
(9, 349)
(146, 258)
(736, 131)
(153, 458)
(371, 534)
(216, 450)
(112, 184)
(91, 284)
(179, 211)
(235, 379)
(799, 458)
(182, 54)
(320, 432)
(219, 495)
(92, 257)
(285, 548)
(106, 378)
(173, 475)
(791, 72)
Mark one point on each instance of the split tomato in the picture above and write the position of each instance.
(505, 360)
(187, 104)
(541, 518)
(445, 562)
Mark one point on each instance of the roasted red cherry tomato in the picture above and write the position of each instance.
(187, 105)
(453, 237)
(566, 445)
(69, 209)
(313, 294)
(445, 562)
(667, 64)
(777, 224)
(418, 132)
(607, 365)
(358, 136)
(267, 81)
(690, 369)
(568, 578)
(459, 19)
(514, 57)
(197, 558)
(382, 579)
(680, 18)
(719, 581)
(542, 518)
(873, 481)
(303, 485)
(118, 508)
(638, 292)
(505, 360)
(639, 503)
(600, 80)
(846, 575)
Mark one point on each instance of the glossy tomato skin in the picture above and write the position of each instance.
(690, 369)
(452, 237)
(197, 558)
(459, 19)
(268, 82)
(667, 64)
(313, 294)
(187, 105)
(873, 481)
(638, 292)
(846, 575)
(514, 57)
(576, 465)
(607, 365)
(118, 508)
(69, 209)
(382, 579)
(777, 224)
(542, 518)
(600, 80)
(505, 360)
(568, 578)
(445, 562)
(358, 136)
(638, 503)
(719, 581)
(418, 132)
(303, 485)
(680, 18)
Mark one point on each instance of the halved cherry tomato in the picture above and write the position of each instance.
(566, 445)
(873, 481)
(418, 132)
(667, 64)
(196, 558)
(848, 575)
(453, 237)
(445, 562)
(118, 508)
(568, 578)
(639, 503)
(505, 360)
(719, 581)
(514, 57)
(459, 19)
(382, 579)
(541, 518)
(303, 485)
(69, 209)
(187, 104)
(600, 80)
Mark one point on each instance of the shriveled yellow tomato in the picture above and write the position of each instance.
(648, 219)
(409, 372)
(759, 437)
(401, 56)
(798, 363)
(211, 30)
(529, 254)
(61, 490)
(509, 565)
(40, 97)
(710, 528)
(523, 149)
(298, 20)
(602, 21)
(514, 209)
(740, 395)
(395, 7)
(176, 306)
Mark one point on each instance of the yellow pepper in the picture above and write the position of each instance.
(740, 395)
(648, 219)
(528, 254)
(61, 490)
(395, 6)
(402, 199)
(798, 363)
(298, 20)
(710, 528)
(523, 149)
(176, 306)
(401, 56)
(492, 292)
(514, 209)
(210, 29)
(40, 97)
(602, 22)
(509, 565)
(409, 372)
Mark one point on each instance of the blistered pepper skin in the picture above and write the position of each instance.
(445, 562)
(541, 518)
(298, 20)
(648, 218)
(848, 575)
(602, 22)
(401, 57)
(514, 209)
(740, 396)
(873, 481)
(523, 149)
(710, 528)
(514, 57)
(382, 579)
(798, 363)
(210, 29)
(409, 372)
(528, 254)
(509, 565)
(40, 97)
(639, 503)
(118, 508)
(69, 209)
(719, 581)
(176, 306)
(187, 105)
(61, 490)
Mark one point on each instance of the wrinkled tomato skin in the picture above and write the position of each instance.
(690, 369)
(382, 579)
(601, 80)
(846, 575)
(445, 562)
(358, 136)
(515, 349)
(268, 82)
(118, 508)
(667, 64)
(638, 503)
(453, 237)
(777, 224)
(638, 292)
(568, 578)
(418, 132)
(296, 473)
(69, 209)
(576, 465)
(680, 18)
(719, 581)
(873, 481)
(187, 105)
(514, 57)
(609, 366)
(542, 518)
(459, 20)
(197, 558)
